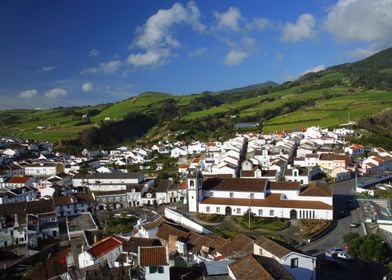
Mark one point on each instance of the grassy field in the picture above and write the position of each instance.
(332, 112)
(134, 104)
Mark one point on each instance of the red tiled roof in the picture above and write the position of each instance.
(63, 200)
(272, 200)
(152, 256)
(239, 246)
(235, 184)
(316, 189)
(134, 243)
(292, 186)
(19, 180)
(105, 246)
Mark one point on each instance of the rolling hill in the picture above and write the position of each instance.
(327, 98)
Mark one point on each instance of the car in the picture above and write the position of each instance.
(333, 252)
(344, 255)
(354, 225)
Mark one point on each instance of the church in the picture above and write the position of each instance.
(264, 198)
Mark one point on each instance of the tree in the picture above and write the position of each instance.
(366, 248)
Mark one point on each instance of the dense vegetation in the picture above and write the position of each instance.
(367, 248)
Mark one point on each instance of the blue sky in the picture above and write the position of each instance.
(69, 52)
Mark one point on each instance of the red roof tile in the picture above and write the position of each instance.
(152, 256)
(19, 180)
(105, 246)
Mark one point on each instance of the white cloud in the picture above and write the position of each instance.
(86, 87)
(149, 58)
(28, 93)
(259, 23)
(314, 69)
(56, 92)
(235, 57)
(301, 30)
(94, 53)
(47, 69)
(197, 52)
(109, 67)
(229, 19)
(360, 20)
(362, 52)
(155, 36)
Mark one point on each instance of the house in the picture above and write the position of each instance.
(329, 161)
(19, 182)
(131, 247)
(17, 195)
(355, 150)
(106, 250)
(254, 267)
(302, 175)
(20, 219)
(43, 169)
(154, 263)
(72, 205)
(166, 192)
(234, 196)
(298, 264)
(109, 181)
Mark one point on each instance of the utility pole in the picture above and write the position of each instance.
(249, 213)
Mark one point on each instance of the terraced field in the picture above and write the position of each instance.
(331, 113)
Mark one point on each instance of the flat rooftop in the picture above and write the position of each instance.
(81, 222)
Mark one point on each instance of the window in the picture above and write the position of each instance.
(294, 263)
(161, 269)
(238, 210)
(208, 209)
(252, 195)
(217, 209)
(191, 183)
(260, 251)
(231, 195)
(260, 212)
(211, 193)
(271, 212)
(153, 269)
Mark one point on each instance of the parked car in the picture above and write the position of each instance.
(344, 255)
(333, 252)
(354, 225)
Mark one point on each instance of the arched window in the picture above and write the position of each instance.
(191, 183)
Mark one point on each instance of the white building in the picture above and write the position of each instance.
(232, 196)
(154, 262)
(106, 250)
(44, 169)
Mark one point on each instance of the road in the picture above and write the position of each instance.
(343, 191)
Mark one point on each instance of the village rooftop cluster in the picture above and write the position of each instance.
(51, 199)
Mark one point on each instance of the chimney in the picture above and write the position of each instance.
(172, 243)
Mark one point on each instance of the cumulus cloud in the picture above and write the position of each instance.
(315, 69)
(229, 19)
(108, 67)
(155, 37)
(360, 20)
(56, 92)
(197, 52)
(94, 53)
(28, 93)
(86, 87)
(302, 29)
(235, 57)
(47, 69)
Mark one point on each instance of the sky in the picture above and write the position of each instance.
(87, 52)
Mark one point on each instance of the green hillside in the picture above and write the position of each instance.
(327, 98)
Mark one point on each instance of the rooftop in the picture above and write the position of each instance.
(152, 256)
(235, 184)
